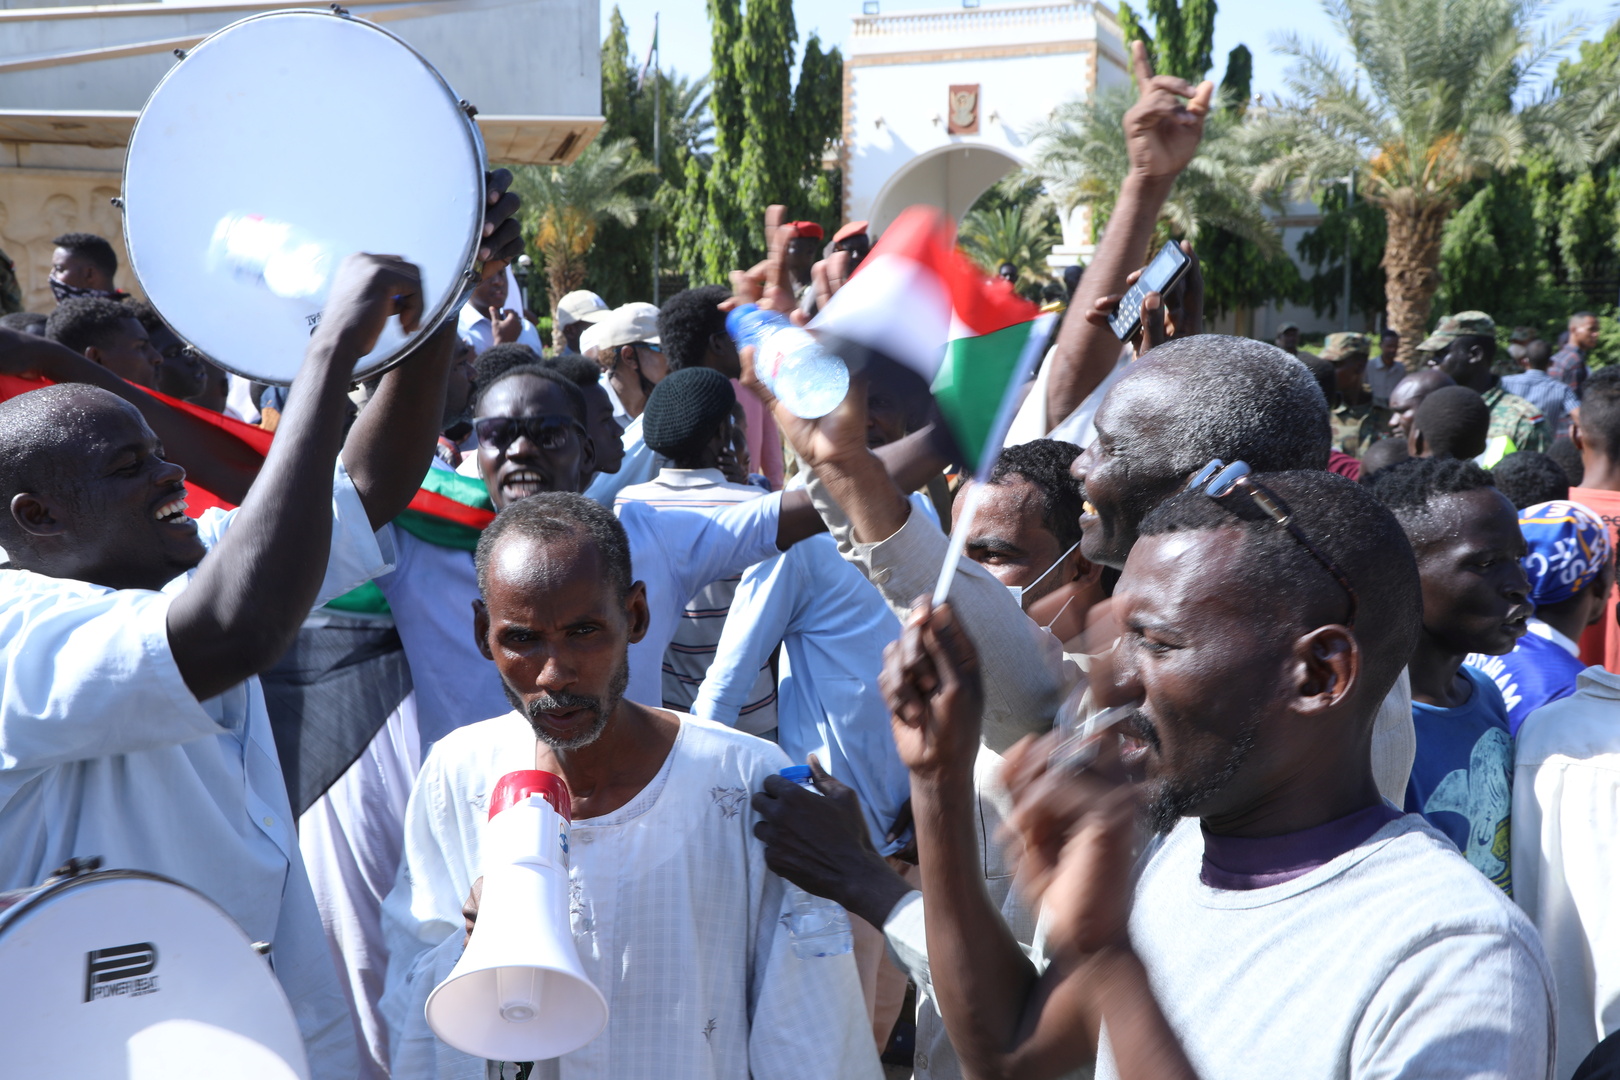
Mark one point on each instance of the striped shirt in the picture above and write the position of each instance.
(689, 655)
(1555, 400)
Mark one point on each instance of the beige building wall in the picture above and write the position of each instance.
(48, 199)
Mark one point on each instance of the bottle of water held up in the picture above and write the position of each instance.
(818, 927)
(274, 254)
(806, 378)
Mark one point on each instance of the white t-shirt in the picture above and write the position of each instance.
(1395, 959)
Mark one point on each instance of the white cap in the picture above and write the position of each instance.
(581, 305)
(590, 341)
(627, 325)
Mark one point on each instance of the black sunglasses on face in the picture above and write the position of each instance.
(1218, 480)
(548, 432)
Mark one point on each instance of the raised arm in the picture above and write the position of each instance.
(253, 590)
(1162, 132)
(390, 446)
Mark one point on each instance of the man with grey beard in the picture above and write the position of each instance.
(677, 919)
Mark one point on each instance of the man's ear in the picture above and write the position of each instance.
(1575, 430)
(1414, 442)
(35, 515)
(627, 355)
(481, 628)
(635, 610)
(93, 354)
(1329, 668)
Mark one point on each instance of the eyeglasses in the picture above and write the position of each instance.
(1218, 480)
(546, 432)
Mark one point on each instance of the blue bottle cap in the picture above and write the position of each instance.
(799, 774)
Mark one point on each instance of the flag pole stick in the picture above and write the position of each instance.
(1040, 330)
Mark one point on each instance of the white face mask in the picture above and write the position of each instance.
(1019, 592)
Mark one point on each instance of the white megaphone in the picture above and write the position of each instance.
(519, 992)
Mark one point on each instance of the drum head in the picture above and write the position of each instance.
(278, 146)
(134, 976)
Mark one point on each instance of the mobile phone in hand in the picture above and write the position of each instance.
(1164, 271)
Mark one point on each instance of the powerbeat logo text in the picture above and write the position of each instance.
(122, 971)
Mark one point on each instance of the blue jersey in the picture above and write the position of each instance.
(1462, 775)
(1537, 671)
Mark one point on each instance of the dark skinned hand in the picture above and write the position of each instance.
(931, 681)
(1080, 838)
(507, 324)
(821, 844)
(503, 236)
(1182, 316)
(469, 910)
(367, 290)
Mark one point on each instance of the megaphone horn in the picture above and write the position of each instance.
(519, 992)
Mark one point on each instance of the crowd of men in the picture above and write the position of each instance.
(1351, 628)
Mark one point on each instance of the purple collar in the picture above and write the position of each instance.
(1241, 863)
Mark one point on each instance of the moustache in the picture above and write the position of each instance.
(547, 702)
(1141, 727)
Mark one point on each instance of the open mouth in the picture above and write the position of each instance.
(522, 483)
(173, 512)
(1136, 738)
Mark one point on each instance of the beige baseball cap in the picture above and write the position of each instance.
(581, 305)
(590, 341)
(627, 325)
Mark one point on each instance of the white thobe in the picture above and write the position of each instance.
(474, 325)
(104, 751)
(676, 918)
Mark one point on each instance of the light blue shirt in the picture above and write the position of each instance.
(833, 626)
(104, 751)
(674, 552)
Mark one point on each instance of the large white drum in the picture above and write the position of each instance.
(130, 975)
(276, 147)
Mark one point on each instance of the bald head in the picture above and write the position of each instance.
(44, 435)
(1409, 394)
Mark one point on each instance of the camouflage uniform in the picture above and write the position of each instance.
(1516, 424)
(1355, 427)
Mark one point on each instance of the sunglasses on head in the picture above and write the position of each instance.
(548, 432)
(1219, 480)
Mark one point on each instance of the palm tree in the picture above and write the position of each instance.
(1079, 154)
(1010, 234)
(1427, 108)
(564, 204)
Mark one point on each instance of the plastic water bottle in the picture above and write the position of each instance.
(274, 254)
(818, 926)
(805, 377)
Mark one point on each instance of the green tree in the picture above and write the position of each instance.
(770, 135)
(564, 206)
(1323, 248)
(621, 263)
(1183, 32)
(1426, 109)
(1023, 236)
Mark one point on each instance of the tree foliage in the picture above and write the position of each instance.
(770, 134)
(1323, 249)
(1426, 109)
(564, 206)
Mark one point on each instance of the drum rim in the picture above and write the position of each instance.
(11, 915)
(431, 320)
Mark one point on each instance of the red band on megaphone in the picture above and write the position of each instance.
(514, 787)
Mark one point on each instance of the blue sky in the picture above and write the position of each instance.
(1255, 23)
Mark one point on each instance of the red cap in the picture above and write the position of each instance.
(514, 787)
(854, 228)
(806, 228)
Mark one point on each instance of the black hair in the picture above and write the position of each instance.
(1454, 422)
(576, 398)
(1600, 411)
(1528, 478)
(83, 322)
(1408, 487)
(687, 321)
(557, 515)
(496, 360)
(1045, 463)
(25, 322)
(42, 439)
(91, 247)
(1380, 455)
(1538, 354)
(1563, 451)
(579, 370)
(1231, 398)
(1327, 380)
(1350, 527)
